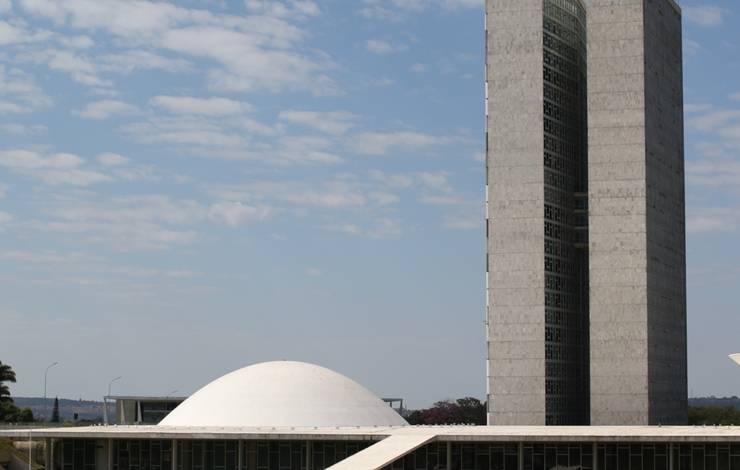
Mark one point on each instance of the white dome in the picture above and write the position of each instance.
(283, 394)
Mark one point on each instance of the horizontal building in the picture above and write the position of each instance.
(296, 416)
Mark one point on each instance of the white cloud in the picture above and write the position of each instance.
(10, 34)
(418, 68)
(328, 195)
(7, 107)
(99, 110)
(81, 69)
(692, 108)
(5, 219)
(22, 129)
(380, 228)
(713, 220)
(302, 150)
(141, 222)
(236, 138)
(234, 214)
(53, 169)
(690, 47)
(112, 159)
(714, 173)
(397, 9)
(713, 120)
(203, 106)
(20, 91)
(296, 9)
(133, 60)
(26, 159)
(704, 15)
(190, 131)
(377, 46)
(261, 51)
(334, 122)
(374, 143)
(471, 220)
(5, 6)
(313, 272)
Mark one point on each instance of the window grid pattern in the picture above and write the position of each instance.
(566, 262)
(82, 454)
(78, 454)
(633, 457)
(706, 457)
(142, 455)
(565, 456)
(207, 455)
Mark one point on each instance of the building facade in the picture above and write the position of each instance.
(586, 298)
(374, 448)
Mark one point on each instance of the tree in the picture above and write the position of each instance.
(443, 412)
(25, 416)
(6, 375)
(714, 416)
(473, 411)
(9, 413)
(55, 412)
(466, 410)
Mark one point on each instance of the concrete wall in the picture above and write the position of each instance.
(666, 240)
(617, 213)
(515, 179)
(637, 255)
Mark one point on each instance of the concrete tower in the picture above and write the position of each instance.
(585, 203)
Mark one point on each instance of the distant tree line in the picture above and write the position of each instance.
(714, 416)
(9, 413)
(472, 411)
(466, 410)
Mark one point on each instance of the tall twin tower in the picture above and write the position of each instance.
(586, 258)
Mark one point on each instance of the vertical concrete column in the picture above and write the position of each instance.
(309, 454)
(596, 456)
(521, 456)
(47, 454)
(174, 454)
(671, 461)
(109, 453)
(52, 455)
(449, 456)
(240, 454)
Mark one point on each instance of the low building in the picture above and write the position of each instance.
(296, 416)
(142, 410)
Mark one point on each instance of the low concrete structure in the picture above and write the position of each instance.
(296, 416)
(141, 409)
(402, 447)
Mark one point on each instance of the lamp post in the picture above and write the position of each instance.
(46, 375)
(736, 358)
(105, 398)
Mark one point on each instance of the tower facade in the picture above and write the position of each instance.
(586, 311)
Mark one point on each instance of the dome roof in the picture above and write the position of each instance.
(283, 394)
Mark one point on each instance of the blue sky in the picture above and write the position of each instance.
(190, 187)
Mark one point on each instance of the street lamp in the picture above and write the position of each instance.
(736, 358)
(46, 374)
(105, 398)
